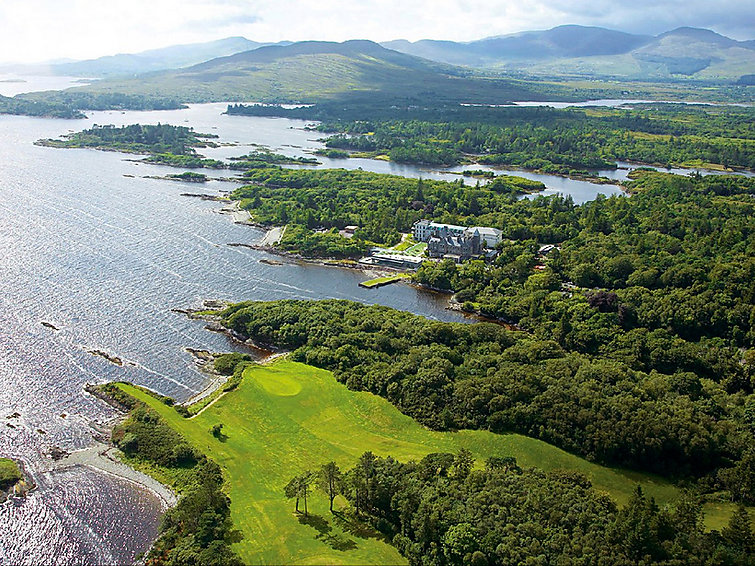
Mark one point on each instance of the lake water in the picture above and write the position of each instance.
(105, 257)
(291, 137)
(12, 84)
(617, 102)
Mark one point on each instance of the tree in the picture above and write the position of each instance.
(298, 488)
(330, 480)
(738, 533)
(463, 463)
(292, 490)
(360, 481)
(459, 542)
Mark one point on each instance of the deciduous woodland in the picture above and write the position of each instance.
(607, 408)
(441, 510)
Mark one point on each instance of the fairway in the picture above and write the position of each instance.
(288, 417)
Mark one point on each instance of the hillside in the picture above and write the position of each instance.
(287, 417)
(579, 51)
(315, 71)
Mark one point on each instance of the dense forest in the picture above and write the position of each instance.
(455, 375)
(78, 100)
(675, 259)
(566, 141)
(70, 104)
(445, 511)
(45, 109)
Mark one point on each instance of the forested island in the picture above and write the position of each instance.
(165, 144)
(136, 138)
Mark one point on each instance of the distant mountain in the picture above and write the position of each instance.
(598, 52)
(173, 57)
(701, 52)
(313, 71)
(561, 41)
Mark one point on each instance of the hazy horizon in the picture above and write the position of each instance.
(38, 31)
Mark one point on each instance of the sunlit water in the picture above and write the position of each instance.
(105, 257)
(12, 84)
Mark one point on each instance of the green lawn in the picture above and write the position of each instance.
(378, 281)
(408, 247)
(417, 249)
(287, 417)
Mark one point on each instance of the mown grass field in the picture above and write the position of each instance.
(287, 417)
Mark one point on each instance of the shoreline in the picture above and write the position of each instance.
(103, 458)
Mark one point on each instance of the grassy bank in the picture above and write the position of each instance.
(380, 281)
(288, 417)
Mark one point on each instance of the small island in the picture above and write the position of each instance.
(136, 138)
(174, 146)
(11, 479)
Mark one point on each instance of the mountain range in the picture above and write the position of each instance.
(563, 51)
(172, 57)
(495, 70)
(581, 51)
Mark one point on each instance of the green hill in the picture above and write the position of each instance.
(314, 71)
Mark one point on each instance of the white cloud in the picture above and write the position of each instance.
(51, 29)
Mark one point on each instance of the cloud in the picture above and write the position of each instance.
(45, 29)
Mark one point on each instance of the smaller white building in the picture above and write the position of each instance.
(489, 237)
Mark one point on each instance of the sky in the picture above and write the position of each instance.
(42, 30)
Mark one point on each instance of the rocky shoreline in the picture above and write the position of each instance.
(103, 455)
